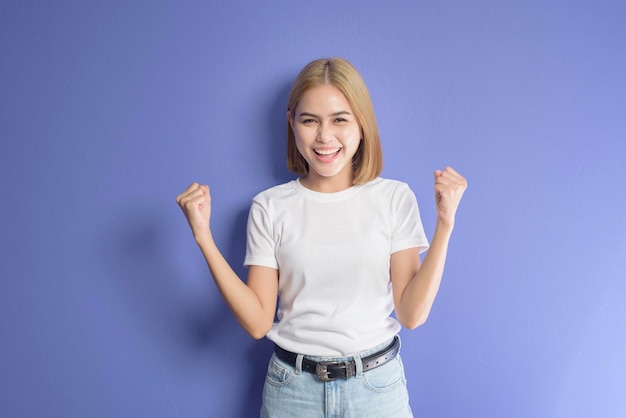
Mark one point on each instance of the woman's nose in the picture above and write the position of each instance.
(325, 133)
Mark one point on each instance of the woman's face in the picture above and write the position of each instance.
(327, 135)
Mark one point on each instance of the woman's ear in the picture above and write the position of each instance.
(290, 119)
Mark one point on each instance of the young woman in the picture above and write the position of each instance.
(341, 247)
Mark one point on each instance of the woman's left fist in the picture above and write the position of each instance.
(449, 189)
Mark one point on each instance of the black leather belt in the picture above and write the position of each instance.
(327, 371)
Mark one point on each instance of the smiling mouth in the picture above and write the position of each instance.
(327, 152)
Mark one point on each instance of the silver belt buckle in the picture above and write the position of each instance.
(322, 373)
(321, 370)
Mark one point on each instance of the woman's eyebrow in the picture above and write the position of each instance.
(341, 112)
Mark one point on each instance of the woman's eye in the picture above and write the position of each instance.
(340, 120)
(308, 121)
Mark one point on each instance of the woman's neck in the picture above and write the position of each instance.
(334, 184)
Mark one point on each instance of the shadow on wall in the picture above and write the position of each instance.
(277, 134)
(189, 328)
(192, 326)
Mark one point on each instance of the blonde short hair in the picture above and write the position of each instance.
(340, 73)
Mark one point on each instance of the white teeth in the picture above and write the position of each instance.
(327, 151)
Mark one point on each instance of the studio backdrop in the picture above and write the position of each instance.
(109, 109)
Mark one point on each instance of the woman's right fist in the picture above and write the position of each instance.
(195, 203)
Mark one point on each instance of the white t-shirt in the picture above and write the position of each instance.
(333, 251)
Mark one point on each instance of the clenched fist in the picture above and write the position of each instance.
(195, 203)
(449, 188)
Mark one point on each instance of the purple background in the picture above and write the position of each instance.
(109, 109)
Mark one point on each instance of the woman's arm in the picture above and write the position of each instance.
(254, 303)
(415, 284)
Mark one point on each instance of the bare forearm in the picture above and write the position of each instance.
(419, 295)
(417, 298)
(240, 298)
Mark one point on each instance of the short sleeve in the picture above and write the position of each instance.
(408, 231)
(260, 247)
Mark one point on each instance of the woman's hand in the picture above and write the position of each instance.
(449, 188)
(253, 303)
(195, 203)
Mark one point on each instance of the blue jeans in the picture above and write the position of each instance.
(291, 392)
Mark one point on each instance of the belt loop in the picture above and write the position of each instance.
(359, 366)
(298, 365)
